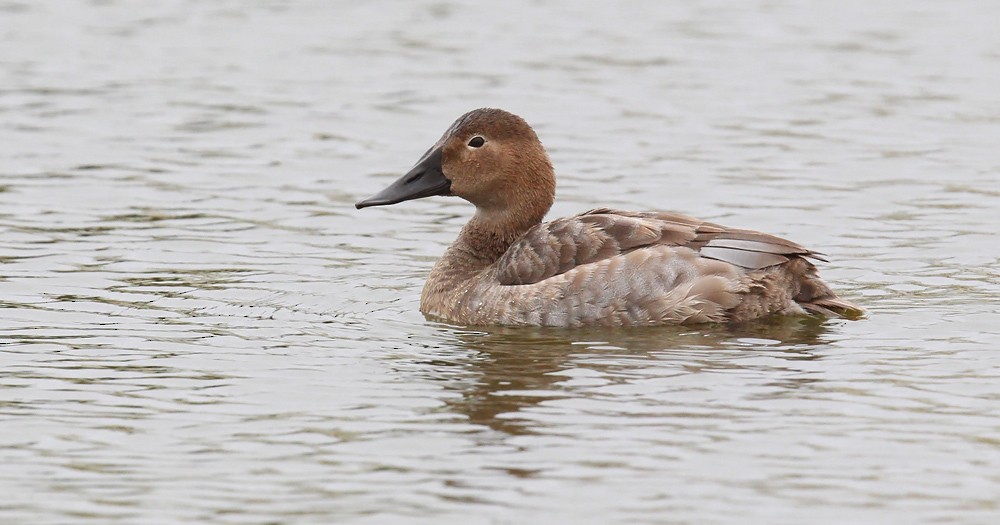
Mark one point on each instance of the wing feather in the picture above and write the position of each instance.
(554, 248)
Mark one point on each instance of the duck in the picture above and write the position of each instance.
(603, 267)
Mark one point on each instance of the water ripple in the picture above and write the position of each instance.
(197, 326)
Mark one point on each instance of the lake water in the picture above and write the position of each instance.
(196, 325)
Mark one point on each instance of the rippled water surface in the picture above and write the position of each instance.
(198, 327)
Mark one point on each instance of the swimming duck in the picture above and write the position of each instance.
(603, 267)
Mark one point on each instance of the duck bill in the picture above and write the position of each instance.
(424, 180)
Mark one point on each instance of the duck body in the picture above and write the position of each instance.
(603, 267)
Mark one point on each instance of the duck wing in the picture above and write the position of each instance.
(555, 247)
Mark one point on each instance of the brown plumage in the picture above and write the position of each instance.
(602, 267)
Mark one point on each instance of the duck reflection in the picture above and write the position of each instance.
(516, 368)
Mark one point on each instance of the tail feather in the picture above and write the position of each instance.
(833, 306)
(817, 298)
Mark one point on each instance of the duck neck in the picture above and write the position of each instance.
(488, 235)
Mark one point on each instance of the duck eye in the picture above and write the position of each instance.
(477, 142)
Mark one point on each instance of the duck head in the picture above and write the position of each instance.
(488, 157)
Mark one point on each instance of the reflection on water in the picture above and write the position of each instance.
(515, 369)
(196, 325)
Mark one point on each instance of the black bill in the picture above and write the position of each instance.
(424, 180)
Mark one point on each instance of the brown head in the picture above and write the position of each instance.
(488, 157)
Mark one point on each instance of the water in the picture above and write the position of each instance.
(197, 326)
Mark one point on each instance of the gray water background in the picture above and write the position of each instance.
(196, 326)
